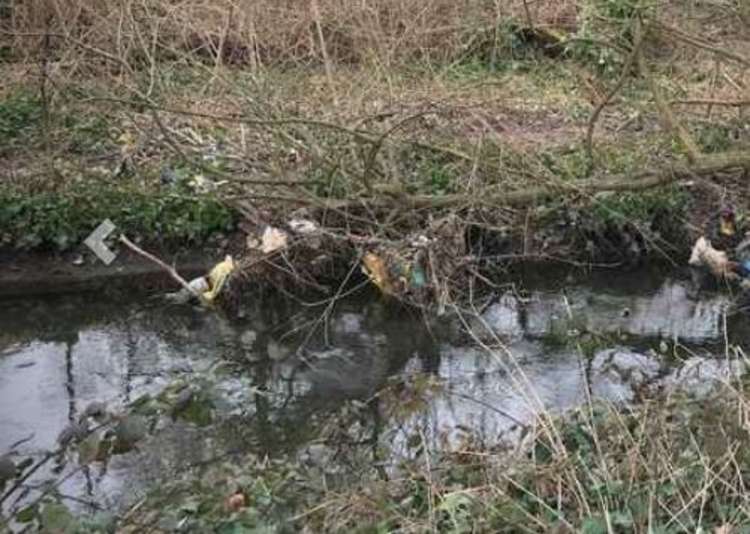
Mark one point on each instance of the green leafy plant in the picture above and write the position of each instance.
(610, 18)
(60, 222)
(19, 112)
(641, 206)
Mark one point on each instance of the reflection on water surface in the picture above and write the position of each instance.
(270, 378)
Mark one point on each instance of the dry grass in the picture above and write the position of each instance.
(674, 463)
(661, 467)
(266, 32)
(382, 62)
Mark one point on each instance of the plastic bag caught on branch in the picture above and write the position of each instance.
(209, 287)
(419, 265)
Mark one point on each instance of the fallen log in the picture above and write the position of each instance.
(706, 165)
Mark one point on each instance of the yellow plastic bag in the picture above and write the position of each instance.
(217, 278)
(377, 271)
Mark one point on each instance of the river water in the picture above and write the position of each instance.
(267, 380)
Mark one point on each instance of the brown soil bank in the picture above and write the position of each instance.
(37, 273)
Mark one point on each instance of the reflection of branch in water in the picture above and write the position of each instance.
(290, 394)
(333, 300)
(44, 488)
(263, 408)
(131, 349)
(33, 469)
(377, 430)
(21, 441)
(47, 488)
(69, 388)
(329, 303)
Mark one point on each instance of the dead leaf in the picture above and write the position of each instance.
(235, 502)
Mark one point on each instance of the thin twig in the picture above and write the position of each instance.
(711, 102)
(170, 270)
(700, 43)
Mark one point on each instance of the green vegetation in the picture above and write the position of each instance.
(611, 18)
(378, 104)
(639, 208)
(62, 221)
(20, 113)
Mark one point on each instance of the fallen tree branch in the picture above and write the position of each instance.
(170, 270)
(706, 165)
(711, 102)
(701, 43)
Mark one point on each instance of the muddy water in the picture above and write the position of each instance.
(273, 375)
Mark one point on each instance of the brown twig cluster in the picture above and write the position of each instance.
(270, 32)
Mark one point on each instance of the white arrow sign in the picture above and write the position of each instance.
(95, 241)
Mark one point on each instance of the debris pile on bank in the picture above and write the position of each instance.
(423, 268)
